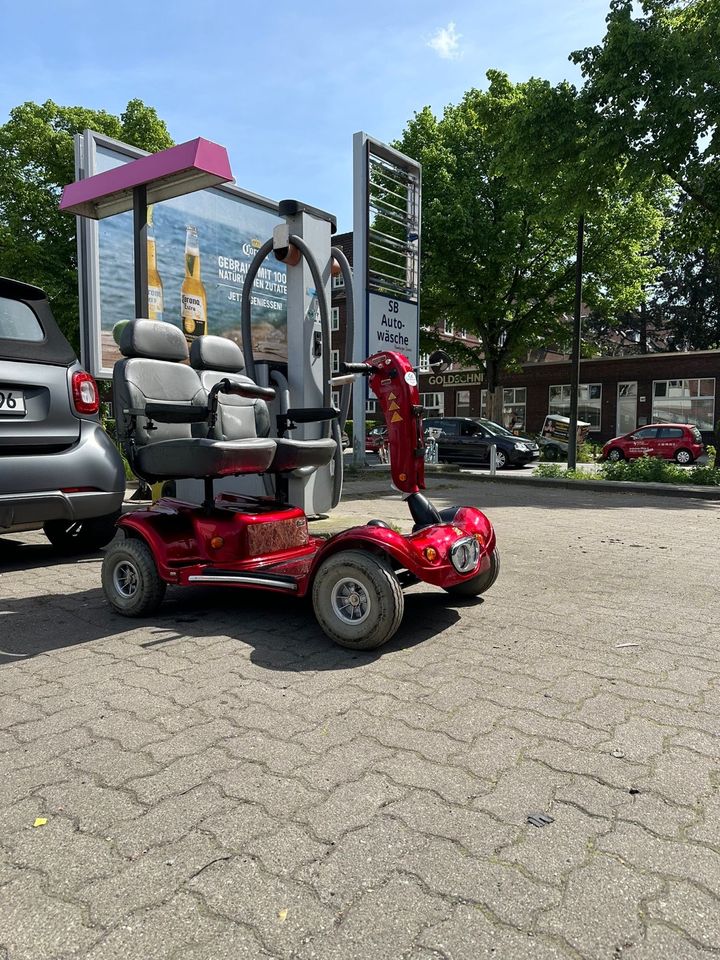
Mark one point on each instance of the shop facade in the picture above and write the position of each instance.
(617, 394)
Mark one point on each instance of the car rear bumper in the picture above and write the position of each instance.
(37, 488)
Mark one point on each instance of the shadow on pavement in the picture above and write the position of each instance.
(282, 635)
(16, 554)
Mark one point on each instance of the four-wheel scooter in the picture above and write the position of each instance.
(172, 426)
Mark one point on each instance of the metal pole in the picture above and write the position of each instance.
(493, 459)
(140, 225)
(360, 228)
(577, 330)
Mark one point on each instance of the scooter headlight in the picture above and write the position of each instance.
(465, 554)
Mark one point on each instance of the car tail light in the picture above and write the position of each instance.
(85, 393)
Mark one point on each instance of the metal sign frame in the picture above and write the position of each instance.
(385, 265)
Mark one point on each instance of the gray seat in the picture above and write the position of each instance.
(217, 357)
(157, 397)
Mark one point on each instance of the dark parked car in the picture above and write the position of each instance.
(680, 442)
(59, 470)
(468, 440)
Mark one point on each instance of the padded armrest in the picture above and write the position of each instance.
(169, 411)
(250, 390)
(312, 414)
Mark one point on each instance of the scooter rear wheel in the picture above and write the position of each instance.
(357, 600)
(480, 583)
(130, 579)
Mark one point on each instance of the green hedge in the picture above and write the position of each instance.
(643, 470)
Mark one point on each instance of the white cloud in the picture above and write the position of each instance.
(446, 42)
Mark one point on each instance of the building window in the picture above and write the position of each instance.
(334, 318)
(371, 407)
(462, 334)
(685, 401)
(433, 404)
(335, 360)
(589, 402)
(338, 281)
(424, 362)
(462, 403)
(514, 406)
(448, 327)
(336, 399)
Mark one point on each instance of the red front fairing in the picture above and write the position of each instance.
(407, 551)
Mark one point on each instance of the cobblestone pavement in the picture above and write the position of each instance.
(222, 782)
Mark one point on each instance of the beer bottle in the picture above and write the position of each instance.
(155, 287)
(192, 292)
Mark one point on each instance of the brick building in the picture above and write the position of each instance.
(617, 394)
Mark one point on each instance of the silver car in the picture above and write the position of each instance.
(59, 470)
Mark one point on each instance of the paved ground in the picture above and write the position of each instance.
(221, 782)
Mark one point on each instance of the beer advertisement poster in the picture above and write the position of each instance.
(200, 247)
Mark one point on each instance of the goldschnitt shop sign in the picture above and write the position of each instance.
(463, 378)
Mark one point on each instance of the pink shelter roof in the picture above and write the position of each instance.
(185, 168)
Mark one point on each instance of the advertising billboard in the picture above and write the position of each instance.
(199, 249)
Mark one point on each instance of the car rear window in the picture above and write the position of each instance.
(18, 322)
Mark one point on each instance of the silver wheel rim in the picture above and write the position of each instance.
(499, 460)
(350, 601)
(614, 456)
(126, 579)
(683, 457)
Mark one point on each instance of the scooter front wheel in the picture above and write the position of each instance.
(480, 583)
(130, 579)
(357, 600)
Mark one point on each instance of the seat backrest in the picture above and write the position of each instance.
(153, 370)
(237, 417)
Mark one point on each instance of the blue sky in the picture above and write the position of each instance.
(284, 85)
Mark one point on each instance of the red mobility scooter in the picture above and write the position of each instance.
(207, 420)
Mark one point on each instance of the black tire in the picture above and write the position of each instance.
(615, 455)
(368, 585)
(130, 579)
(683, 457)
(480, 583)
(82, 536)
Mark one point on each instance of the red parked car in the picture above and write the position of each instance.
(375, 438)
(680, 442)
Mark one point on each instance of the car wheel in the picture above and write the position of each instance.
(130, 579)
(480, 583)
(615, 454)
(500, 459)
(82, 536)
(683, 457)
(357, 600)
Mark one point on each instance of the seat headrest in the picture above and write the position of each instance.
(216, 353)
(154, 340)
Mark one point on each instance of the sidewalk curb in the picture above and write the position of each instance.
(602, 486)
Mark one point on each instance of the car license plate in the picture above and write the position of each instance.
(12, 403)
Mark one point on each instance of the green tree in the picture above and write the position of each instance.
(37, 242)
(499, 234)
(653, 85)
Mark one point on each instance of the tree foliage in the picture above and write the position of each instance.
(37, 242)
(654, 87)
(500, 219)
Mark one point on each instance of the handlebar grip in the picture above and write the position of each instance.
(363, 368)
